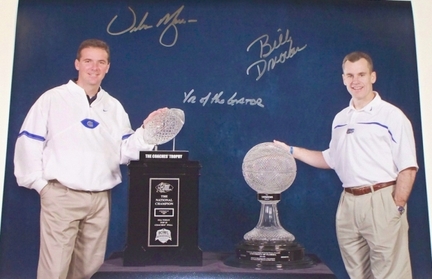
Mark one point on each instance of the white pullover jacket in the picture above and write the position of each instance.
(80, 145)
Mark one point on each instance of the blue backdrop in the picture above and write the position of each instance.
(244, 72)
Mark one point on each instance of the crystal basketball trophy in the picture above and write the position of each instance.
(164, 127)
(269, 170)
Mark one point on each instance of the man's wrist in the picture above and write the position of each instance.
(401, 209)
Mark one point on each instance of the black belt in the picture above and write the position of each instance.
(367, 189)
(55, 181)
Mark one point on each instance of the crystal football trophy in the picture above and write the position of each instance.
(163, 199)
(164, 127)
(269, 170)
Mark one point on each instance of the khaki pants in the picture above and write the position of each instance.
(373, 236)
(74, 229)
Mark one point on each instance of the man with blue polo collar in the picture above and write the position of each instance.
(373, 152)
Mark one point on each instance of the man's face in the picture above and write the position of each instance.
(92, 66)
(358, 79)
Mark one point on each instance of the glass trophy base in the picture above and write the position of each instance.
(270, 255)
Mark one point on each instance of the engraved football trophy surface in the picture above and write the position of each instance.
(164, 127)
(269, 170)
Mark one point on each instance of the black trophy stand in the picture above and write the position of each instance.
(163, 210)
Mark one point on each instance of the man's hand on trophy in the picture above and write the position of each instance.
(152, 115)
(162, 125)
(285, 146)
(281, 145)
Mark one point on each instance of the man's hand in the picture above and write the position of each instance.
(153, 114)
(310, 157)
(404, 184)
(282, 144)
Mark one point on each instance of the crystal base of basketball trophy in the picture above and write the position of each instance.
(269, 170)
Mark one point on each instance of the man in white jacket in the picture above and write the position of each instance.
(69, 150)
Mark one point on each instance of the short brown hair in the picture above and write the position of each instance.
(93, 43)
(356, 56)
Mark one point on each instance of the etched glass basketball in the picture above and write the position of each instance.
(268, 168)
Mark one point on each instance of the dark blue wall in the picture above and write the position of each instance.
(159, 66)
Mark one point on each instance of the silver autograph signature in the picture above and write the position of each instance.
(266, 48)
(169, 21)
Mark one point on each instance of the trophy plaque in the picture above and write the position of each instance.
(269, 170)
(163, 200)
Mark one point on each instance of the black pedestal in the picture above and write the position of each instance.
(163, 210)
(270, 255)
(213, 267)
